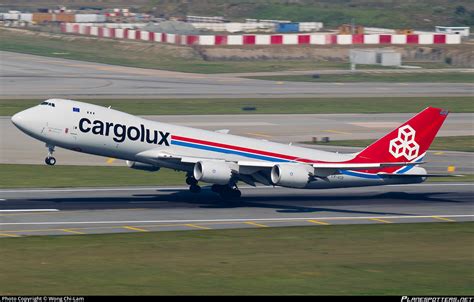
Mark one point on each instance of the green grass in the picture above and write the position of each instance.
(463, 178)
(17, 176)
(143, 55)
(399, 259)
(387, 14)
(264, 106)
(445, 143)
(458, 77)
(42, 176)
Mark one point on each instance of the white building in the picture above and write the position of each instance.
(384, 57)
(458, 30)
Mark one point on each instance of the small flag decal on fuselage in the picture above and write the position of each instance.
(75, 109)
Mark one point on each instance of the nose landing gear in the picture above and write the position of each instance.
(50, 160)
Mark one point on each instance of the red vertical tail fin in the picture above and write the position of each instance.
(409, 142)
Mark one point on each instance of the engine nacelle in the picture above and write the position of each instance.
(214, 172)
(291, 175)
(142, 166)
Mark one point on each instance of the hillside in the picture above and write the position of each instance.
(384, 13)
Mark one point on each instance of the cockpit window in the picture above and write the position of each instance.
(48, 104)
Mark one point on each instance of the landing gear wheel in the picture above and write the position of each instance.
(236, 194)
(227, 193)
(195, 189)
(191, 181)
(51, 161)
(217, 188)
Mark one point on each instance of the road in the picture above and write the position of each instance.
(29, 76)
(116, 210)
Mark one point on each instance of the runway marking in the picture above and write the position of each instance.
(234, 220)
(256, 224)
(380, 220)
(259, 134)
(110, 160)
(443, 219)
(211, 223)
(72, 231)
(337, 132)
(318, 222)
(439, 153)
(29, 210)
(197, 226)
(135, 229)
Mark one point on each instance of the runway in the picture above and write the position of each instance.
(30, 76)
(117, 210)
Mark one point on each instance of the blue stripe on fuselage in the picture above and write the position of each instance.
(227, 151)
(408, 168)
(358, 174)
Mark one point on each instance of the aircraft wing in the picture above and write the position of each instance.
(259, 171)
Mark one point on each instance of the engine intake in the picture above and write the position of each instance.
(291, 175)
(214, 172)
(142, 166)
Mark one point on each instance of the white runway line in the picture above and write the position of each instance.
(30, 210)
(235, 220)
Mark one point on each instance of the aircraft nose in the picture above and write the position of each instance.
(18, 119)
(24, 120)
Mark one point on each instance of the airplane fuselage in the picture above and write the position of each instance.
(107, 132)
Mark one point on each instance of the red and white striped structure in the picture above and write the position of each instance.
(264, 39)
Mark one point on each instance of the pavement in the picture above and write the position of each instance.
(25, 212)
(68, 211)
(30, 76)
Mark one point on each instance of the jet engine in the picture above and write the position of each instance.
(141, 166)
(215, 172)
(291, 175)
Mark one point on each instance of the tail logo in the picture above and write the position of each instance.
(405, 144)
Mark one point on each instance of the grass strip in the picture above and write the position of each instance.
(444, 77)
(42, 176)
(264, 106)
(37, 176)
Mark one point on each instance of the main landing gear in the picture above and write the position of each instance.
(227, 191)
(193, 186)
(50, 160)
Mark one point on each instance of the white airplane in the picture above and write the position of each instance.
(222, 159)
